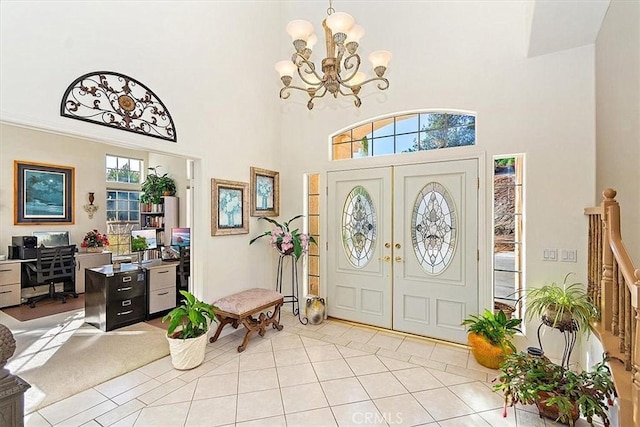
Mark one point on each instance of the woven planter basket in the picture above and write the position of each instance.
(508, 309)
(485, 353)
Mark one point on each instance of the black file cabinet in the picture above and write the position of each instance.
(115, 298)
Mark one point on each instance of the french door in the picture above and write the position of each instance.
(402, 247)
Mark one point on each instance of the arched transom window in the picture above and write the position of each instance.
(406, 133)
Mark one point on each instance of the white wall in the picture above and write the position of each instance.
(211, 63)
(618, 115)
(88, 159)
(202, 59)
(471, 56)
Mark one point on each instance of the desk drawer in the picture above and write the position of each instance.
(125, 311)
(162, 299)
(160, 278)
(11, 294)
(9, 273)
(125, 286)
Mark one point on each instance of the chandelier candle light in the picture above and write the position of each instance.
(340, 69)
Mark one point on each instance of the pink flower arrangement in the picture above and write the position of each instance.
(93, 239)
(287, 241)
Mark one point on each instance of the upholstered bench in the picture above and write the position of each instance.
(240, 307)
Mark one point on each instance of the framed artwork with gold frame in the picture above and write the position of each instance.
(265, 192)
(229, 207)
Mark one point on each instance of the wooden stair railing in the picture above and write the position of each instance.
(614, 285)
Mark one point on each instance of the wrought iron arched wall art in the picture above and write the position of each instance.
(118, 101)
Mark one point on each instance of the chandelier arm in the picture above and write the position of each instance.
(356, 101)
(284, 92)
(347, 61)
(310, 69)
(315, 95)
(354, 67)
(383, 85)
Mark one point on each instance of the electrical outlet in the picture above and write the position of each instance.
(550, 254)
(569, 255)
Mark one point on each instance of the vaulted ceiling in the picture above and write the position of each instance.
(558, 25)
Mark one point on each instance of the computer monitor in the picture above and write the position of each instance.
(181, 237)
(143, 240)
(51, 239)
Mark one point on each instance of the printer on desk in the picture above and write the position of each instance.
(23, 247)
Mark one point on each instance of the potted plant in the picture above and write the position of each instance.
(187, 331)
(155, 186)
(565, 307)
(285, 240)
(490, 337)
(94, 241)
(559, 393)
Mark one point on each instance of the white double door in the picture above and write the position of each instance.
(403, 247)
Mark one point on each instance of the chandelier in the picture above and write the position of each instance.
(341, 73)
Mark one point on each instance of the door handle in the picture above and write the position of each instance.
(398, 246)
(386, 258)
(398, 259)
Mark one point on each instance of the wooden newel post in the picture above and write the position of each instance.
(635, 384)
(606, 286)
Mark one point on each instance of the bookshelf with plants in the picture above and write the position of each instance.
(162, 217)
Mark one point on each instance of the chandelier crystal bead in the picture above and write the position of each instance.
(339, 73)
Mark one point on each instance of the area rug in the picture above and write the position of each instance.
(88, 357)
(44, 308)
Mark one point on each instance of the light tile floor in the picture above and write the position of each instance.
(332, 374)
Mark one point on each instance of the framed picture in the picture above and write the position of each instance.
(43, 194)
(265, 192)
(229, 207)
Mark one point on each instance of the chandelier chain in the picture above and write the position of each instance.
(330, 10)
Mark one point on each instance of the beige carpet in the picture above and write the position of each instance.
(89, 357)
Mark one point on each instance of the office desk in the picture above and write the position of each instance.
(14, 283)
(10, 283)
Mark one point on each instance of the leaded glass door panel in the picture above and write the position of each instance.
(359, 227)
(435, 229)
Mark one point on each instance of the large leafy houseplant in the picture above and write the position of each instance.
(192, 316)
(187, 331)
(155, 186)
(566, 307)
(490, 337)
(559, 393)
(286, 240)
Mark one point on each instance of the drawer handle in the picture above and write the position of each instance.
(163, 272)
(124, 313)
(164, 293)
(8, 269)
(126, 303)
(6, 292)
(128, 288)
(126, 279)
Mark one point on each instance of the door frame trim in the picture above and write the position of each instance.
(485, 226)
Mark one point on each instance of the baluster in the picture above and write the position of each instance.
(607, 302)
(627, 326)
(615, 295)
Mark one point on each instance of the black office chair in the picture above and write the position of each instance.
(183, 271)
(53, 265)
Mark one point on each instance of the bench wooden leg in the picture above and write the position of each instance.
(260, 324)
(273, 319)
(222, 322)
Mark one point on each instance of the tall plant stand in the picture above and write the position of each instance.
(570, 333)
(293, 297)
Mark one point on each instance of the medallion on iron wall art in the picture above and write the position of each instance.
(118, 101)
